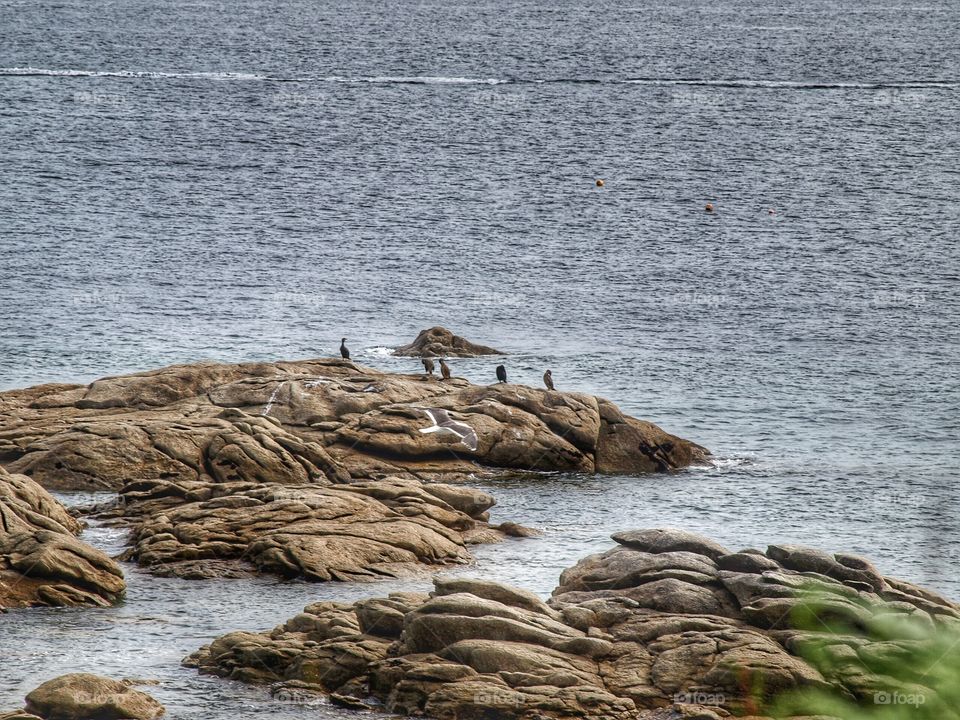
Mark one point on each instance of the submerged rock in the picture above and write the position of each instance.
(440, 342)
(82, 696)
(41, 560)
(666, 621)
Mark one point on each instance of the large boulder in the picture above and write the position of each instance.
(352, 531)
(41, 560)
(440, 342)
(82, 696)
(315, 422)
(665, 622)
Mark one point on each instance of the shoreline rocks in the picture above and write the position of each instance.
(83, 696)
(665, 621)
(42, 562)
(320, 469)
(348, 532)
(316, 421)
(440, 342)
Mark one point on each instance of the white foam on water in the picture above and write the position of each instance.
(434, 80)
(793, 84)
(32, 71)
(723, 463)
(378, 351)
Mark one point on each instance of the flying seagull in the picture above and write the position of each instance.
(443, 423)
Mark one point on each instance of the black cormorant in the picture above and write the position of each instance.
(548, 379)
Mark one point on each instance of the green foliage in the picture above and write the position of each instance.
(881, 662)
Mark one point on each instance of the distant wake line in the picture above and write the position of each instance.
(443, 80)
(29, 71)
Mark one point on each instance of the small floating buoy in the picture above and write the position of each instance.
(599, 183)
(709, 207)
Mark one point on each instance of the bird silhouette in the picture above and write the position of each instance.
(427, 365)
(548, 379)
(444, 369)
(501, 373)
(344, 353)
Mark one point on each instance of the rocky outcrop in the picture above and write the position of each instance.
(353, 531)
(320, 469)
(82, 696)
(41, 560)
(664, 621)
(321, 421)
(440, 342)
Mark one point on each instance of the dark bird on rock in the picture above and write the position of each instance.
(501, 373)
(548, 379)
(428, 365)
(444, 369)
(344, 353)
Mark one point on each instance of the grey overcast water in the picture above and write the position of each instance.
(187, 179)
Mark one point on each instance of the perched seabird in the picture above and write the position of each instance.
(548, 379)
(444, 369)
(443, 423)
(501, 373)
(344, 353)
(428, 365)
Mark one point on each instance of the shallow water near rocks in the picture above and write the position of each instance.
(165, 619)
(241, 181)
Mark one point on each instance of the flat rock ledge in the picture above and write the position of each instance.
(362, 530)
(82, 696)
(664, 625)
(440, 342)
(42, 563)
(296, 423)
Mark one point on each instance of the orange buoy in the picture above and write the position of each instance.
(599, 183)
(709, 207)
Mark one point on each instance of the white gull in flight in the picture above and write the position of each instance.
(443, 423)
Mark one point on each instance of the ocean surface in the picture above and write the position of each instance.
(193, 179)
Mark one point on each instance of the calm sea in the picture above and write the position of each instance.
(189, 179)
